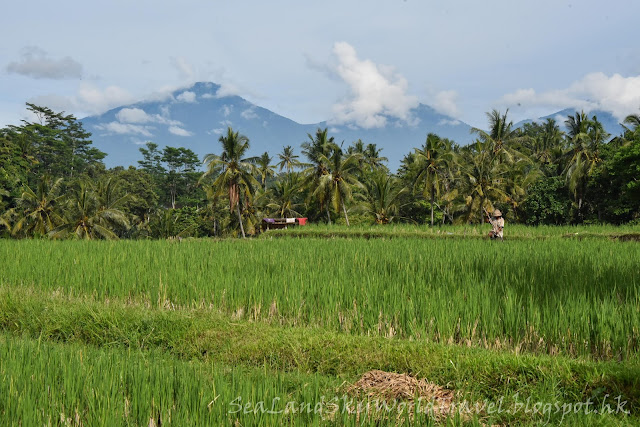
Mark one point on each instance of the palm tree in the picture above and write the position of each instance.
(633, 120)
(585, 136)
(373, 158)
(37, 211)
(434, 160)
(501, 138)
(383, 197)
(483, 178)
(337, 185)
(318, 150)
(264, 168)
(288, 160)
(90, 215)
(232, 171)
(284, 197)
(548, 146)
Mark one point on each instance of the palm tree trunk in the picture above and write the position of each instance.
(328, 215)
(432, 201)
(344, 209)
(240, 219)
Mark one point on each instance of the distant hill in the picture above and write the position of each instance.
(610, 123)
(195, 117)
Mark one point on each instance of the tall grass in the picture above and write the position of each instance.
(555, 296)
(49, 384)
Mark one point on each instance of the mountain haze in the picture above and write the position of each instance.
(196, 117)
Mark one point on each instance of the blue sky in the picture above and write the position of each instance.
(343, 61)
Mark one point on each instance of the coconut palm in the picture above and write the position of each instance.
(632, 120)
(318, 150)
(264, 169)
(548, 146)
(232, 172)
(502, 137)
(284, 197)
(89, 215)
(37, 211)
(382, 200)
(288, 160)
(586, 137)
(433, 161)
(484, 178)
(373, 158)
(337, 185)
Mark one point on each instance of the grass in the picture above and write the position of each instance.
(157, 332)
(162, 351)
(560, 296)
(512, 232)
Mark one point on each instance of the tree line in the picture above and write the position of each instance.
(53, 182)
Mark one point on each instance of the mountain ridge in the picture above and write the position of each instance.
(196, 116)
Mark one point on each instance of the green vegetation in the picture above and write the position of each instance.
(394, 274)
(572, 297)
(54, 184)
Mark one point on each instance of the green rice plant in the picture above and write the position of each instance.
(575, 297)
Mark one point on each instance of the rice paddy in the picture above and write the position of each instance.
(159, 318)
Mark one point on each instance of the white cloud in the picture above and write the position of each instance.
(89, 99)
(126, 129)
(138, 115)
(227, 89)
(596, 91)
(249, 113)
(176, 130)
(187, 96)
(207, 96)
(35, 63)
(445, 102)
(226, 123)
(217, 131)
(376, 91)
(133, 115)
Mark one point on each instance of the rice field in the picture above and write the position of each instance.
(173, 332)
(562, 296)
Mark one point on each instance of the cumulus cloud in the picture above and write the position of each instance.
(176, 130)
(376, 91)
(89, 99)
(133, 115)
(187, 96)
(596, 91)
(227, 89)
(138, 115)
(35, 62)
(445, 102)
(208, 96)
(126, 129)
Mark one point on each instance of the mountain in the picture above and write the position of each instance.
(609, 122)
(196, 117)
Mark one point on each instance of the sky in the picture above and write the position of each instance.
(348, 62)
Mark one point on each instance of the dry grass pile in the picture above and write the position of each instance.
(390, 386)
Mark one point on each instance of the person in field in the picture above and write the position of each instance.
(497, 224)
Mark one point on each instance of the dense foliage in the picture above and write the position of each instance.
(53, 183)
